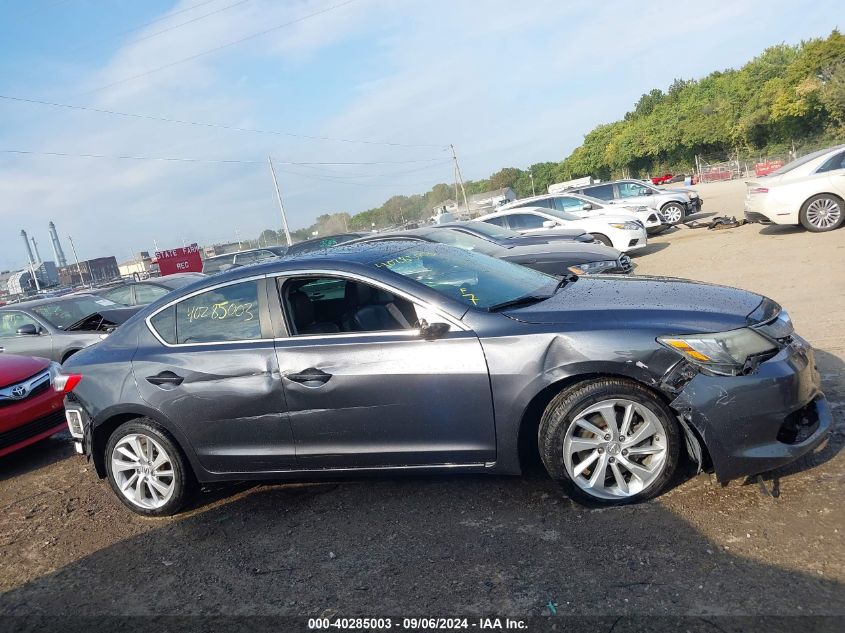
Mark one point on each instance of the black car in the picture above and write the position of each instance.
(554, 257)
(409, 356)
(320, 243)
(141, 293)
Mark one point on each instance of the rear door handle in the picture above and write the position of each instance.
(165, 378)
(309, 375)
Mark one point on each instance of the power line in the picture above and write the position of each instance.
(219, 48)
(145, 24)
(212, 160)
(233, 128)
(186, 23)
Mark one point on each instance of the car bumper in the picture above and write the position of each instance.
(759, 422)
(31, 432)
(694, 205)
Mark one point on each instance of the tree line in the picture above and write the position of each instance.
(786, 95)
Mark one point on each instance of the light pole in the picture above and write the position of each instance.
(531, 176)
(279, 200)
(76, 257)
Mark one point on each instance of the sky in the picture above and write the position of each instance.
(355, 100)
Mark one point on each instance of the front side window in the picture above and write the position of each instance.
(146, 293)
(223, 314)
(602, 192)
(122, 294)
(837, 161)
(568, 203)
(525, 221)
(632, 190)
(334, 305)
(472, 278)
(11, 321)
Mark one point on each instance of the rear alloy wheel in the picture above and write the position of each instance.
(822, 213)
(146, 470)
(673, 213)
(609, 442)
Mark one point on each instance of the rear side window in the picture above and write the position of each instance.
(837, 161)
(602, 192)
(223, 314)
(498, 221)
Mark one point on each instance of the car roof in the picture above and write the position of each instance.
(24, 305)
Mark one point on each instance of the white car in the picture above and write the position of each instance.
(809, 191)
(619, 231)
(588, 207)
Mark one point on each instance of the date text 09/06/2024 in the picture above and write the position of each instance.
(418, 623)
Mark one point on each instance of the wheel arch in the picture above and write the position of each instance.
(69, 353)
(529, 425)
(821, 193)
(109, 420)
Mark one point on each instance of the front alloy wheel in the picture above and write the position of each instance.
(673, 213)
(609, 441)
(146, 469)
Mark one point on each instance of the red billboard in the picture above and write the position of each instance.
(179, 260)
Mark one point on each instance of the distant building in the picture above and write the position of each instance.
(481, 203)
(93, 271)
(140, 267)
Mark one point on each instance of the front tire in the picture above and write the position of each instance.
(146, 469)
(673, 212)
(609, 441)
(599, 237)
(821, 213)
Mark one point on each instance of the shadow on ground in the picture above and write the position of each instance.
(469, 545)
(36, 456)
(781, 229)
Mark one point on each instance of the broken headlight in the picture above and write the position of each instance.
(778, 328)
(725, 353)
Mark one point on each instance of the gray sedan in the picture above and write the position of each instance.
(59, 327)
(408, 356)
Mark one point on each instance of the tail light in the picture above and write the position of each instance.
(65, 383)
(758, 190)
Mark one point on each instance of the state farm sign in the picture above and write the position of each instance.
(179, 260)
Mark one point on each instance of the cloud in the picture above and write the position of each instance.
(508, 83)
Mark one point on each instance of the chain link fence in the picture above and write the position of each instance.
(716, 168)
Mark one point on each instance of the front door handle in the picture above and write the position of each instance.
(165, 378)
(309, 375)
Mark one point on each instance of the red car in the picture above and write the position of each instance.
(32, 392)
(662, 180)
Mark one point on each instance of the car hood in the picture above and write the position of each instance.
(572, 252)
(677, 305)
(14, 369)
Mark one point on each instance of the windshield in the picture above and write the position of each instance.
(471, 278)
(465, 240)
(64, 313)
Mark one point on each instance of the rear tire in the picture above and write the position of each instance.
(603, 239)
(146, 469)
(673, 213)
(822, 213)
(609, 441)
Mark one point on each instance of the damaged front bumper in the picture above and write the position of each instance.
(754, 423)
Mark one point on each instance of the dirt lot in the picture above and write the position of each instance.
(466, 545)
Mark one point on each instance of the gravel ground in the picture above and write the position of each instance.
(466, 544)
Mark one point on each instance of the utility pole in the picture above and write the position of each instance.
(460, 178)
(76, 257)
(531, 176)
(279, 198)
(238, 237)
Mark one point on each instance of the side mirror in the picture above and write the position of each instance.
(586, 206)
(27, 330)
(432, 331)
(549, 224)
